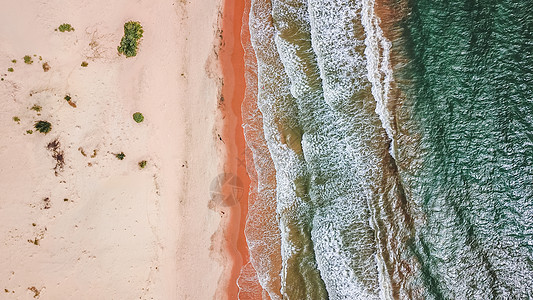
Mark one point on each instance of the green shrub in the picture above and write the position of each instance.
(138, 117)
(28, 60)
(142, 164)
(133, 32)
(16, 119)
(84, 64)
(14, 61)
(29, 131)
(36, 108)
(120, 155)
(65, 27)
(43, 126)
(67, 97)
(10, 69)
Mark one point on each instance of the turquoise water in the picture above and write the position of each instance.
(472, 73)
(401, 148)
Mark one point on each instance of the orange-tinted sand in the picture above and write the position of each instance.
(232, 61)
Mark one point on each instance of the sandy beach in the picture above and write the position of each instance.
(76, 221)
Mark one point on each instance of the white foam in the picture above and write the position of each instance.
(379, 67)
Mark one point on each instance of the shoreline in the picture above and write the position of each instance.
(233, 90)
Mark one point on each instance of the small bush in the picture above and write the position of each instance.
(10, 69)
(84, 64)
(28, 60)
(138, 117)
(142, 164)
(67, 97)
(36, 108)
(43, 126)
(46, 67)
(133, 32)
(29, 131)
(65, 27)
(120, 155)
(16, 119)
(14, 61)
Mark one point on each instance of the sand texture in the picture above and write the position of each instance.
(75, 221)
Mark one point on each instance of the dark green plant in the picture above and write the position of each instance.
(16, 119)
(65, 27)
(67, 97)
(36, 108)
(10, 69)
(133, 32)
(43, 126)
(28, 60)
(29, 131)
(14, 61)
(138, 117)
(142, 164)
(84, 64)
(120, 155)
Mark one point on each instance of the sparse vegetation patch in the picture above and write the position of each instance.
(16, 119)
(138, 117)
(142, 164)
(10, 69)
(133, 32)
(120, 155)
(46, 67)
(57, 154)
(43, 126)
(36, 108)
(14, 61)
(34, 289)
(65, 27)
(28, 60)
(84, 64)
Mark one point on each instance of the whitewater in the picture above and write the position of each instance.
(390, 149)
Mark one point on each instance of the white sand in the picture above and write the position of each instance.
(123, 233)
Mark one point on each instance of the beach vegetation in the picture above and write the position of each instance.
(67, 97)
(138, 117)
(133, 32)
(120, 155)
(65, 27)
(14, 61)
(43, 126)
(16, 119)
(84, 64)
(46, 67)
(10, 69)
(29, 131)
(57, 154)
(142, 164)
(28, 60)
(36, 108)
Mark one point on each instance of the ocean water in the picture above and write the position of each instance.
(390, 149)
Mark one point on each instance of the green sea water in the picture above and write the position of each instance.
(471, 66)
(403, 165)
